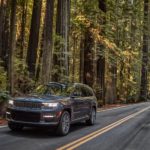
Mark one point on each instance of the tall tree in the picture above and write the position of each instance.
(101, 57)
(1, 24)
(24, 4)
(12, 47)
(34, 37)
(62, 31)
(144, 70)
(88, 58)
(47, 42)
(4, 31)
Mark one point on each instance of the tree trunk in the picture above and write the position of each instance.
(101, 59)
(34, 37)
(82, 60)
(144, 70)
(1, 24)
(48, 42)
(61, 59)
(88, 58)
(23, 25)
(12, 47)
(4, 32)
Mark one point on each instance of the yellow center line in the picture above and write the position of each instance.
(99, 132)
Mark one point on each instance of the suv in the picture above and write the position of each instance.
(56, 104)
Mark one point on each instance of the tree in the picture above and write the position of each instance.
(88, 58)
(47, 42)
(101, 57)
(34, 38)
(12, 47)
(1, 22)
(4, 31)
(24, 4)
(144, 70)
(61, 59)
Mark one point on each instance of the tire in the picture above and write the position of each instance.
(92, 119)
(15, 126)
(64, 124)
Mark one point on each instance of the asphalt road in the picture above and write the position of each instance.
(126, 128)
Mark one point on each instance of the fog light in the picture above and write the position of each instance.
(8, 113)
(48, 116)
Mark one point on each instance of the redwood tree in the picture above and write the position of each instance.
(4, 31)
(144, 70)
(47, 42)
(34, 37)
(88, 58)
(61, 62)
(12, 47)
(101, 58)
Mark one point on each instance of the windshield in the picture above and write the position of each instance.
(53, 89)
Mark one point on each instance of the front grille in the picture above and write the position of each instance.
(32, 105)
(25, 116)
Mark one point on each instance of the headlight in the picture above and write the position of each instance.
(50, 105)
(10, 103)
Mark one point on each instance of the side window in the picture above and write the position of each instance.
(84, 92)
(90, 92)
(87, 92)
(77, 91)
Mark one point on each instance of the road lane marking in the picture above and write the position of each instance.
(99, 132)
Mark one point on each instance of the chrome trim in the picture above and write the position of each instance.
(80, 118)
(33, 123)
(28, 104)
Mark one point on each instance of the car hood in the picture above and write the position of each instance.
(43, 98)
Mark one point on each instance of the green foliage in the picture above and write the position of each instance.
(3, 78)
(118, 41)
(4, 96)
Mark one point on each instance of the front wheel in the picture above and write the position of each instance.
(92, 119)
(64, 125)
(15, 126)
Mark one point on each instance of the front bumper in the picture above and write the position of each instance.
(33, 117)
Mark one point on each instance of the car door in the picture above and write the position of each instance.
(86, 100)
(77, 103)
(75, 96)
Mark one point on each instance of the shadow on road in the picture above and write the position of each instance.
(41, 133)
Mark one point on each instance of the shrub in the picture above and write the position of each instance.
(4, 97)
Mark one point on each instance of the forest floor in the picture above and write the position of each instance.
(3, 121)
(111, 106)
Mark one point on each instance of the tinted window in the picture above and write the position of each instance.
(90, 92)
(53, 89)
(77, 91)
(86, 92)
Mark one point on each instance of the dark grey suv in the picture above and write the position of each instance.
(56, 105)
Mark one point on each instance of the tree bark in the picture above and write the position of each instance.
(61, 59)
(88, 58)
(4, 32)
(1, 24)
(23, 25)
(12, 47)
(34, 38)
(101, 59)
(144, 70)
(82, 60)
(48, 42)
